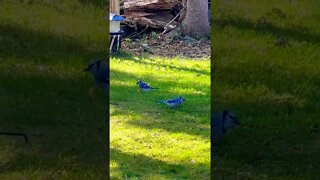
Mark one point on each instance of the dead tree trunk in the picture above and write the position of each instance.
(196, 22)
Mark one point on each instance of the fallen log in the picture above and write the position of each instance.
(151, 13)
(143, 5)
(157, 20)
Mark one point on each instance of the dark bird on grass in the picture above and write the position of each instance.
(282, 42)
(144, 86)
(100, 73)
(173, 102)
(222, 123)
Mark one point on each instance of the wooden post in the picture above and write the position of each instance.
(115, 9)
(115, 39)
(115, 6)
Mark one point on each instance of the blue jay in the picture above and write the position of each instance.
(100, 73)
(144, 86)
(221, 123)
(173, 102)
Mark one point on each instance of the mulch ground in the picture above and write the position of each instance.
(166, 47)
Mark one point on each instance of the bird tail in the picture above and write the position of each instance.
(161, 101)
(154, 88)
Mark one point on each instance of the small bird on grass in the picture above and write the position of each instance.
(222, 123)
(282, 42)
(173, 102)
(100, 73)
(144, 86)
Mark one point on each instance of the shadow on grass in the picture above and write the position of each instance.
(67, 130)
(276, 134)
(132, 166)
(297, 33)
(268, 150)
(98, 3)
(60, 123)
(27, 44)
(279, 135)
(288, 89)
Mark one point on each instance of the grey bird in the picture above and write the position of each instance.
(100, 73)
(222, 123)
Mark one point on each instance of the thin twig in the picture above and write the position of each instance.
(165, 27)
(139, 32)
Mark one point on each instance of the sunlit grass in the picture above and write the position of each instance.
(149, 140)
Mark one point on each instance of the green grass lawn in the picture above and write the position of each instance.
(149, 140)
(43, 92)
(274, 90)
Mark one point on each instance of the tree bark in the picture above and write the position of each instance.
(196, 22)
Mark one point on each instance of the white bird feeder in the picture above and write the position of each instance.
(115, 32)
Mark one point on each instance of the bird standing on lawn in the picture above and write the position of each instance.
(100, 73)
(221, 123)
(144, 86)
(173, 102)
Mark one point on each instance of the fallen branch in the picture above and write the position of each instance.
(16, 134)
(165, 27)
(135, 34)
